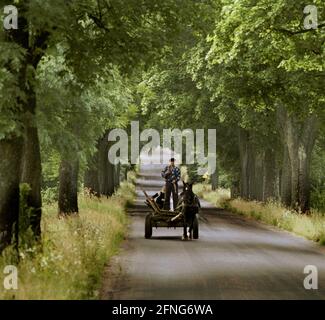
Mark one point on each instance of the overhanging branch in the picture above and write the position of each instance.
(300, 31)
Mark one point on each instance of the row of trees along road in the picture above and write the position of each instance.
(64, 76)
(75, 70)
(256, 75)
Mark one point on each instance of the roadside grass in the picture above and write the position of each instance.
(311, 226)
(74, 250)
(217, 197)
(132, 176)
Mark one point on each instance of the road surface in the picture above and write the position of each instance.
(235, 258)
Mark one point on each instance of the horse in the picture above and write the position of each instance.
(190, 207)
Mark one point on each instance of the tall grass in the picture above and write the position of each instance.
(217, 197)
(74, 250)
(311, 226)
(132, 176)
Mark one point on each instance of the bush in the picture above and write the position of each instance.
(50, 195)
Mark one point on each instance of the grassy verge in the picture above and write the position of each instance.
(217, 198)
(74, 250)
(310, 226)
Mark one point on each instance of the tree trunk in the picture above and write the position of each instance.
(10, 151)
(306, 147)
(111, 179)
(292, 141)
(235, 189)
(117, 176)
(103, 165)
(68, 187)
(304, 179)
(285, 177)
(299, 139)
(101, 175)
(31, 174)
(259, 176)
(215, 178)
(110, 170)
(91, 178)
(31, 158)
(270, 175)
(243, 152)
(252, 194)
(254, 170)
(11, 147)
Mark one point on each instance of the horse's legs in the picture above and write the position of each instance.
(191, 229)
(185, 237)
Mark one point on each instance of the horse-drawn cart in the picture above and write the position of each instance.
(159, 218)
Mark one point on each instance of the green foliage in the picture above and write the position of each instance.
(50, 166)
(50, 195)
(251, 57)
(192, 173)
(81, 88)
(224, 180)
(73, 116)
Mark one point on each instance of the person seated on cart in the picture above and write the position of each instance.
(159, 197)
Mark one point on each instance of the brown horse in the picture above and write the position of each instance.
(190, 207)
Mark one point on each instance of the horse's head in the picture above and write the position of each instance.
(188, 194)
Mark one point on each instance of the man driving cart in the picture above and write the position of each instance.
(172, 175)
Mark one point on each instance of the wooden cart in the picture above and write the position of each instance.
(159, 218)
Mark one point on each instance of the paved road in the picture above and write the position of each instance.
(234, 258)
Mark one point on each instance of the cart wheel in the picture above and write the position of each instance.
(148, 227)
(196, 228)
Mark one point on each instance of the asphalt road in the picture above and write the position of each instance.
(235, 258)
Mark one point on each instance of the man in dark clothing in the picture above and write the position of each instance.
(172, 175)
